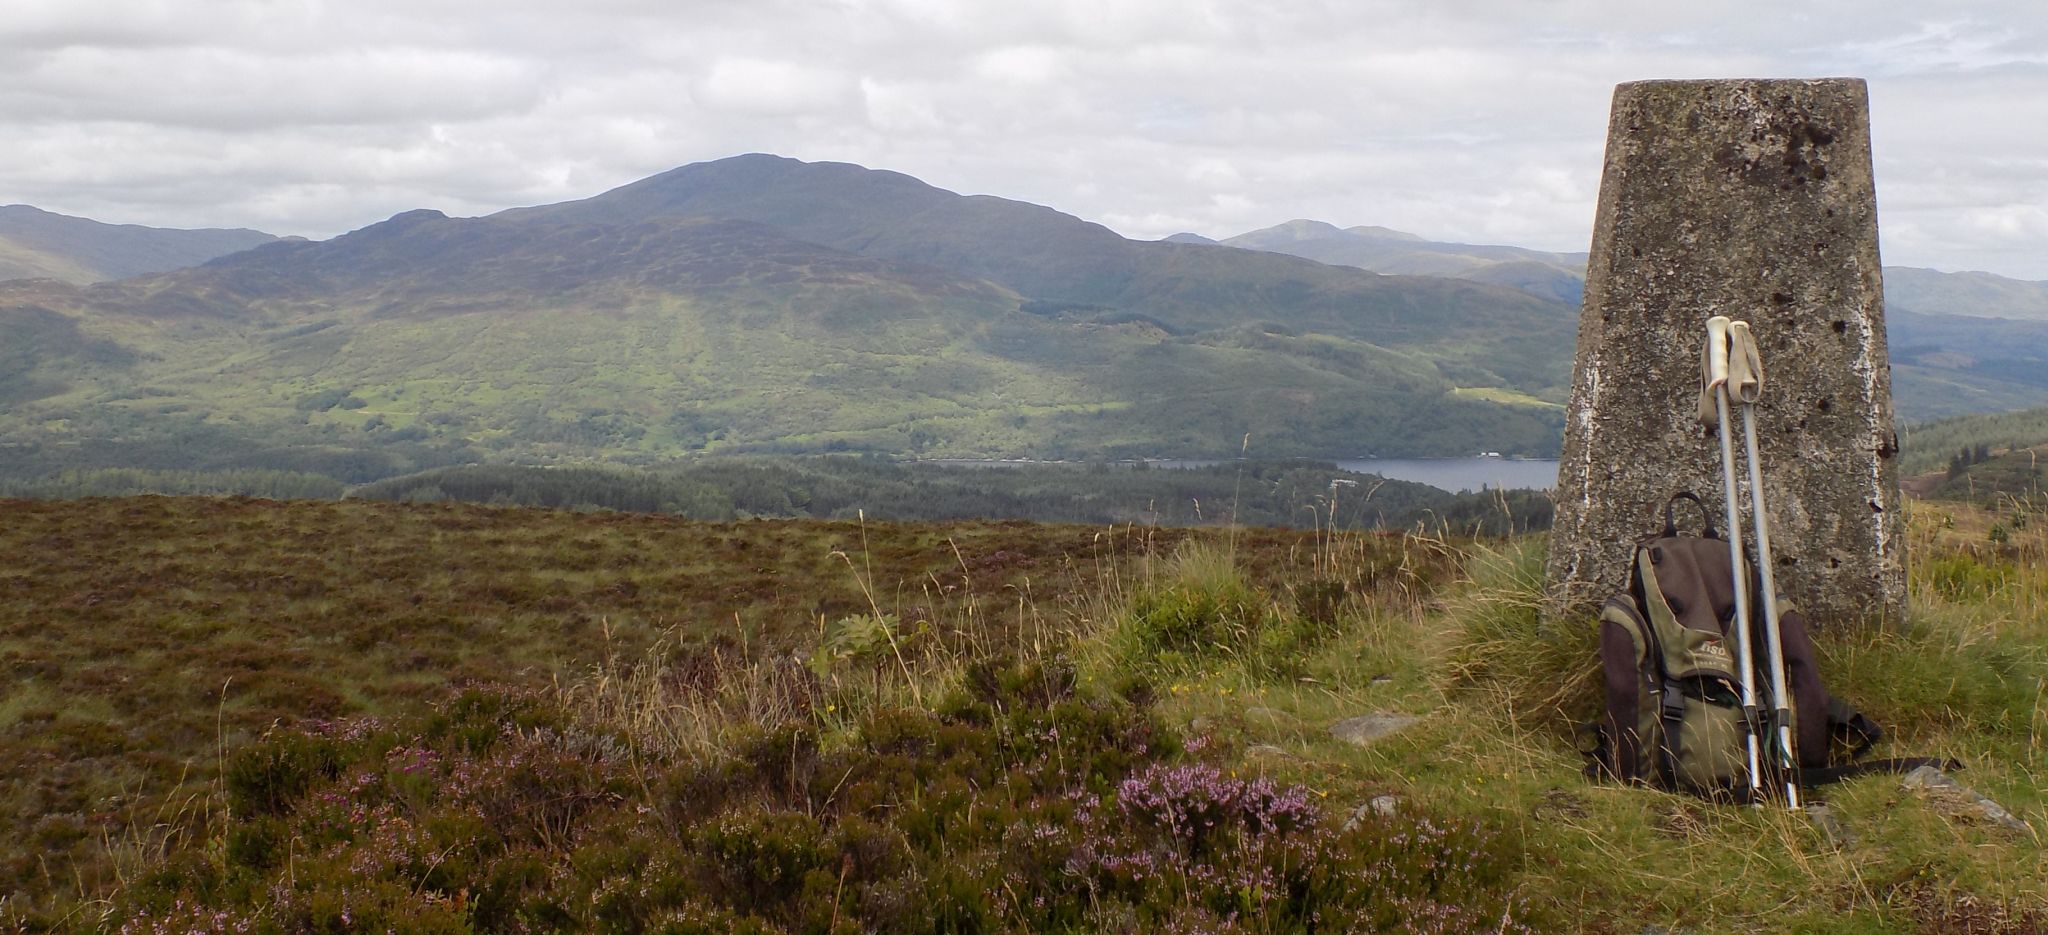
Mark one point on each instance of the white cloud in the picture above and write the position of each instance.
(1459, 119)
(770, 88)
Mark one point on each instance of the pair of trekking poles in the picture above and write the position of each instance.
(1732, 376)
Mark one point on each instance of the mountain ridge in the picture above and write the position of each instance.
(765, 304)
(39, 244)
(647, 325)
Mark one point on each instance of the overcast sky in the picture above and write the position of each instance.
(1473, 120)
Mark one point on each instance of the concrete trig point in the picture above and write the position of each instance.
(1751, 199)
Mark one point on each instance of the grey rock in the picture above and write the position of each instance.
(1201, 725)
(1752, 199)
(1945, 790)
(1363, 731)
(1380, 806)
(1829, 826)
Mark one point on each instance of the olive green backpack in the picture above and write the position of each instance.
(1674, 713)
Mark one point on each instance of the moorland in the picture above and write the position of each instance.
(237, 714)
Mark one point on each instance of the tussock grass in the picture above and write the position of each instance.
(677, 704)
(1508, 643)
(1499, 682)
(1963, 677)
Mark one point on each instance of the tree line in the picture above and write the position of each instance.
(1256, 493)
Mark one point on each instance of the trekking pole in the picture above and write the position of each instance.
(1747, 382)
(1714, 377)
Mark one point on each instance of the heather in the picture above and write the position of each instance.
(1019, 804)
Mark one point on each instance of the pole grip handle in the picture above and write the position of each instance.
(1713, 370)
(1744, 365)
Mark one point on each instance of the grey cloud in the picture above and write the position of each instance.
(1459, 119)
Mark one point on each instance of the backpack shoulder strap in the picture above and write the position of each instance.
(1706, 518)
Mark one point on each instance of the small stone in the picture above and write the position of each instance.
(1382, 679)
(1363, 731)
(1830, 827)
(1267, 750)
(1560, 804)
(1954, 797)
(1380, 806)
(1201, 725)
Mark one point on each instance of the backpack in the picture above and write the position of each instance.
(1674, 716)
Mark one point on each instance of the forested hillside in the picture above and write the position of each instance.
(1259, 493)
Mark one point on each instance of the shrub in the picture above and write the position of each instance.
(1018, 805)
(267, 778)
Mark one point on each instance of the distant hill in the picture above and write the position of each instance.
(1980, 295)
(1385, 250)
(761, 304)
(1960, 342)
(36, 244)
(1952, 365)
(1057, 259)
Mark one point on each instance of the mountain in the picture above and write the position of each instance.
(1952, 365)
(36, 244)
(1979, 295)
(1559, 276)
(763, 304)
(1960, 342)
(1390, 251)
(1060, 260)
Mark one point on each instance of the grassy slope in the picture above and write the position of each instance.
(20, 260)
(144, 605)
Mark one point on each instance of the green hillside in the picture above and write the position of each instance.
(1930, 445)
(2014, 474)
(1954, 365)
(654, 323)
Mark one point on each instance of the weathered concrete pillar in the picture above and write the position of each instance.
(1751, 199)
